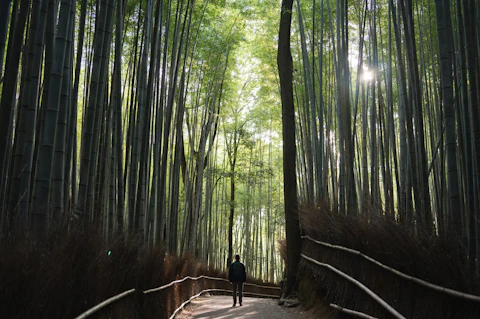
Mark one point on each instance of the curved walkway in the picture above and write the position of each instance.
(220, 307)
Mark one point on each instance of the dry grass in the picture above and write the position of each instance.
(69, 273)
(431, 259)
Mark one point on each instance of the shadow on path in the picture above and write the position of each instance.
(220, 307)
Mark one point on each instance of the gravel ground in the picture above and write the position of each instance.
(220, 307)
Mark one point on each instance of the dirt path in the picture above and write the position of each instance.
(220, 307)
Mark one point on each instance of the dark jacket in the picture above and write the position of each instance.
(237, 272)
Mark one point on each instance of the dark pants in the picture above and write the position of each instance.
(237, 286)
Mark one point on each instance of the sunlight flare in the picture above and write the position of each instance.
(367, 76)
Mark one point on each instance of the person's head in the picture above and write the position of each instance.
(237, 257)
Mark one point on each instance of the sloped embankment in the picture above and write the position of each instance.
(431, 259)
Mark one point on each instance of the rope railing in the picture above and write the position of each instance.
(246, 284)
(200, 277)
(352, 312)
(170, 284)
(419, 281)
(189, 300)
(129, 292)
(259, 295)
(369, 292)
(105, 303)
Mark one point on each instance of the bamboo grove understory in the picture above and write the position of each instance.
(161, 119)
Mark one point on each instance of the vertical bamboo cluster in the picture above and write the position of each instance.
(112, 114)
(93, 115)
(396, 101)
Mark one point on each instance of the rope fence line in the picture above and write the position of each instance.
(187, 301)
(419, 281)
(259, 295)
(200, 277)
(170, 284)
(369, 292)
(129, 292)
(105, 303)
(246, 284)
(352, 312)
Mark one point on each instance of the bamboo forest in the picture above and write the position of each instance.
(202, 129)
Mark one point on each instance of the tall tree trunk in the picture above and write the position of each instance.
(473, 118)
(94, 189)
(25, 138)
(59, 173)
(117, 113)
(74, 109)
(87, 147)
(173, 78)
(375, 200)
(422, 195)
(285, 69)
(43, 179)
(10, 77)
(4, 18)
(231, 215)
(445, 42)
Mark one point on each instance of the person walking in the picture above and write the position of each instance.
(237, 277)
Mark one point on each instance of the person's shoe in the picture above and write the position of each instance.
(240, 304)
(234, 305)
